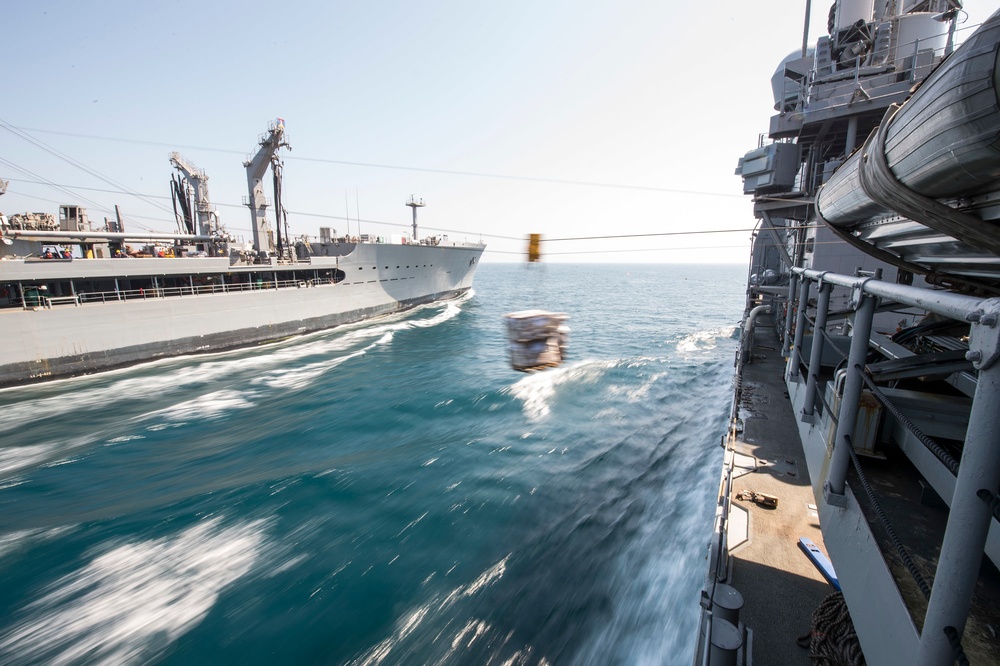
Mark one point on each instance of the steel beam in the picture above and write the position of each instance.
(800, 327)
(969, 518)
(944, 303)
(833, 489)
(787, 337)
(816, 354)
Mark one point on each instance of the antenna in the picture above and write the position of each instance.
(414, 204)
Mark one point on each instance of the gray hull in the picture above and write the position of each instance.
(70, 339)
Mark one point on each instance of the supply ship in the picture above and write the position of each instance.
(858, 504)
(75, 300)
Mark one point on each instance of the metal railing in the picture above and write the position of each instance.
(969, 517)
(143, 293)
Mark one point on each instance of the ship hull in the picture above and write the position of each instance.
(47, 342)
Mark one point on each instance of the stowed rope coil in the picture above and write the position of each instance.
(832, 640)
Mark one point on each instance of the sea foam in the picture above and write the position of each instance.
(135, 599)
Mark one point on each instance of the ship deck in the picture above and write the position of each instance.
(780, 586)
(778, 583)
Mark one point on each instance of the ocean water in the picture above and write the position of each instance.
(384, 493)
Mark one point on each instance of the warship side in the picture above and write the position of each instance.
(74, 301)
(867, 388)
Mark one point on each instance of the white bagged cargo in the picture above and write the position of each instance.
(536, 339)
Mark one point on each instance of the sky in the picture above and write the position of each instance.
(566, 118)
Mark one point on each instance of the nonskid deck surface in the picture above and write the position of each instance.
(780, 586)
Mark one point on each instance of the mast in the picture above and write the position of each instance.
(414, 205)
(805, 30)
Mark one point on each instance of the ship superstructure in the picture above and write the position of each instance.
(868, 380)
(74, 299)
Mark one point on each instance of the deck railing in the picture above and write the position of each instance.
(969, 517)
(81, 298)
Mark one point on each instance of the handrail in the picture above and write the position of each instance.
(946, 304)
(49, 301)
(197, 290)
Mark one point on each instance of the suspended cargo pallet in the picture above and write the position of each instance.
(536, 339)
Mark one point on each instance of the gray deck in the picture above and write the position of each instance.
(780, 585)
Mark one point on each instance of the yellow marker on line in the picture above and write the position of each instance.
(534, 247)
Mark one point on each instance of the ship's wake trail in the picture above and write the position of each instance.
(303, 376)
(132, 601)
(441, 631)
(181, 391)
(703, 341)
(268, 365)
(536, 391)
(630, 379)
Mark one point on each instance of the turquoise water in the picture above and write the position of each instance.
(384, 493)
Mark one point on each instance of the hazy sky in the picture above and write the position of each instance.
(640, 109)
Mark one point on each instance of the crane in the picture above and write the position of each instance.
(256, 167)
(199, 182)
